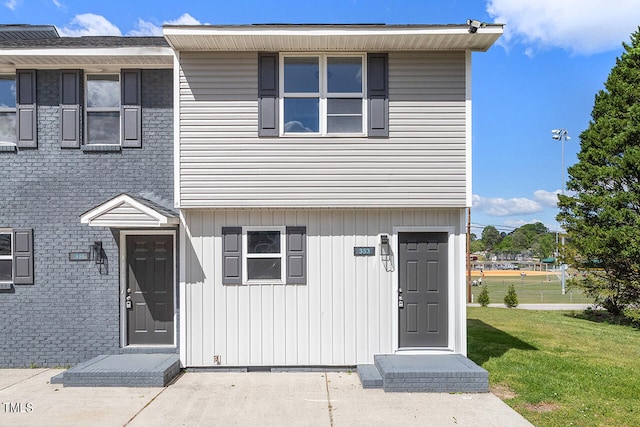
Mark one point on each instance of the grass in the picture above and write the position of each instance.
(559, 368)
(530, 289)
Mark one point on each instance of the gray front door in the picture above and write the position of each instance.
(150, 279)
(422, 289)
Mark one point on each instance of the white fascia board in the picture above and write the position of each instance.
(74, 51)
(90, 216)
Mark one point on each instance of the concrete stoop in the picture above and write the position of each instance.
(122, 370)
(449, 373)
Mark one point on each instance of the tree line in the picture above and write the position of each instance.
(533, 240)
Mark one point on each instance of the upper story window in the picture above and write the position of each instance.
(103, 109)
(323, 94)
(7, 108)
(6, 257)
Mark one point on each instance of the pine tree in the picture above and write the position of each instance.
(511, 298)
(483, 298)
(601, 213)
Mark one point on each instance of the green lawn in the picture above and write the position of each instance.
(557, 368)
(530, 289)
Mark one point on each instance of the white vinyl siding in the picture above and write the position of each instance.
(223, 163)
(343, 315)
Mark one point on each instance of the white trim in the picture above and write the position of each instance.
(95, 213)
(331, 37)
(142, 51)
(123, 284)
(9, 257)
(451, 307)
(88, 110)
(468, 131)
(185, 236)
(323, 94)
(177, 126)
(282, 255)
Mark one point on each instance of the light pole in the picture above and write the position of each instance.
(561, 135)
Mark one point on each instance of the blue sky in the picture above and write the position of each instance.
(541, 75)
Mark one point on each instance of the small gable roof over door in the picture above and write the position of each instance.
(126, 211)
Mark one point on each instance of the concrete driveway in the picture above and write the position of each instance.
(239, 399)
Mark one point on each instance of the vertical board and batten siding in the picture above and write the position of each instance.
(343, 315)
(224, 164)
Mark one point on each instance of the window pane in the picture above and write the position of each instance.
(263, 242)
(301, 75)
(8, 127)
(103, 128)
(344, 106)
(344, 124)
(344, 75)
(5, 244)
(103, 91)
(5, 270)
(7, 92)
(301, 115)
(264, 268)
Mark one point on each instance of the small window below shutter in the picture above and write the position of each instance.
(268, 94)
(70, 109)
(231, 255)
(296, 255)
(27, 121)
(131, 109)
(23, 257)
(378, 94)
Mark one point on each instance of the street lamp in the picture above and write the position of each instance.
(561, 135)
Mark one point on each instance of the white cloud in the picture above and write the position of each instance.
(144, 28)
(579, 26)
(546, 198)
(498, 206)
(185, 19)
(11, 4)
(88, 24)
(57, 3)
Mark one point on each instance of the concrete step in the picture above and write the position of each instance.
(448, 373)
(122, 370)
(369, 376)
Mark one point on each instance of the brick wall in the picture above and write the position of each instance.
(71, 313)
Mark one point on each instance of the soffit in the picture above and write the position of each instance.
(331, 38)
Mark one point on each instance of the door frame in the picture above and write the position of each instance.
(451, 294)
(123, 284)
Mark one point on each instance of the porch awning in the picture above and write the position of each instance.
(127, 211)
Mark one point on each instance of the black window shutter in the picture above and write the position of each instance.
(378, 94)
(268, 94)
(26, 119)
(296, 255)
(23, 256)
(231, 255)
(131, 109)
(70, 108)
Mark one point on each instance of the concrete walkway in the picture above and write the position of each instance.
(541, 306)
(238, 399)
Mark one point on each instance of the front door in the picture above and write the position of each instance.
(150, 279)
(423, 289)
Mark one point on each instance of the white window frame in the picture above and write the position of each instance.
(14, 109)
(10, 256)
(88, 110)
(323, 94)
(246, 255)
